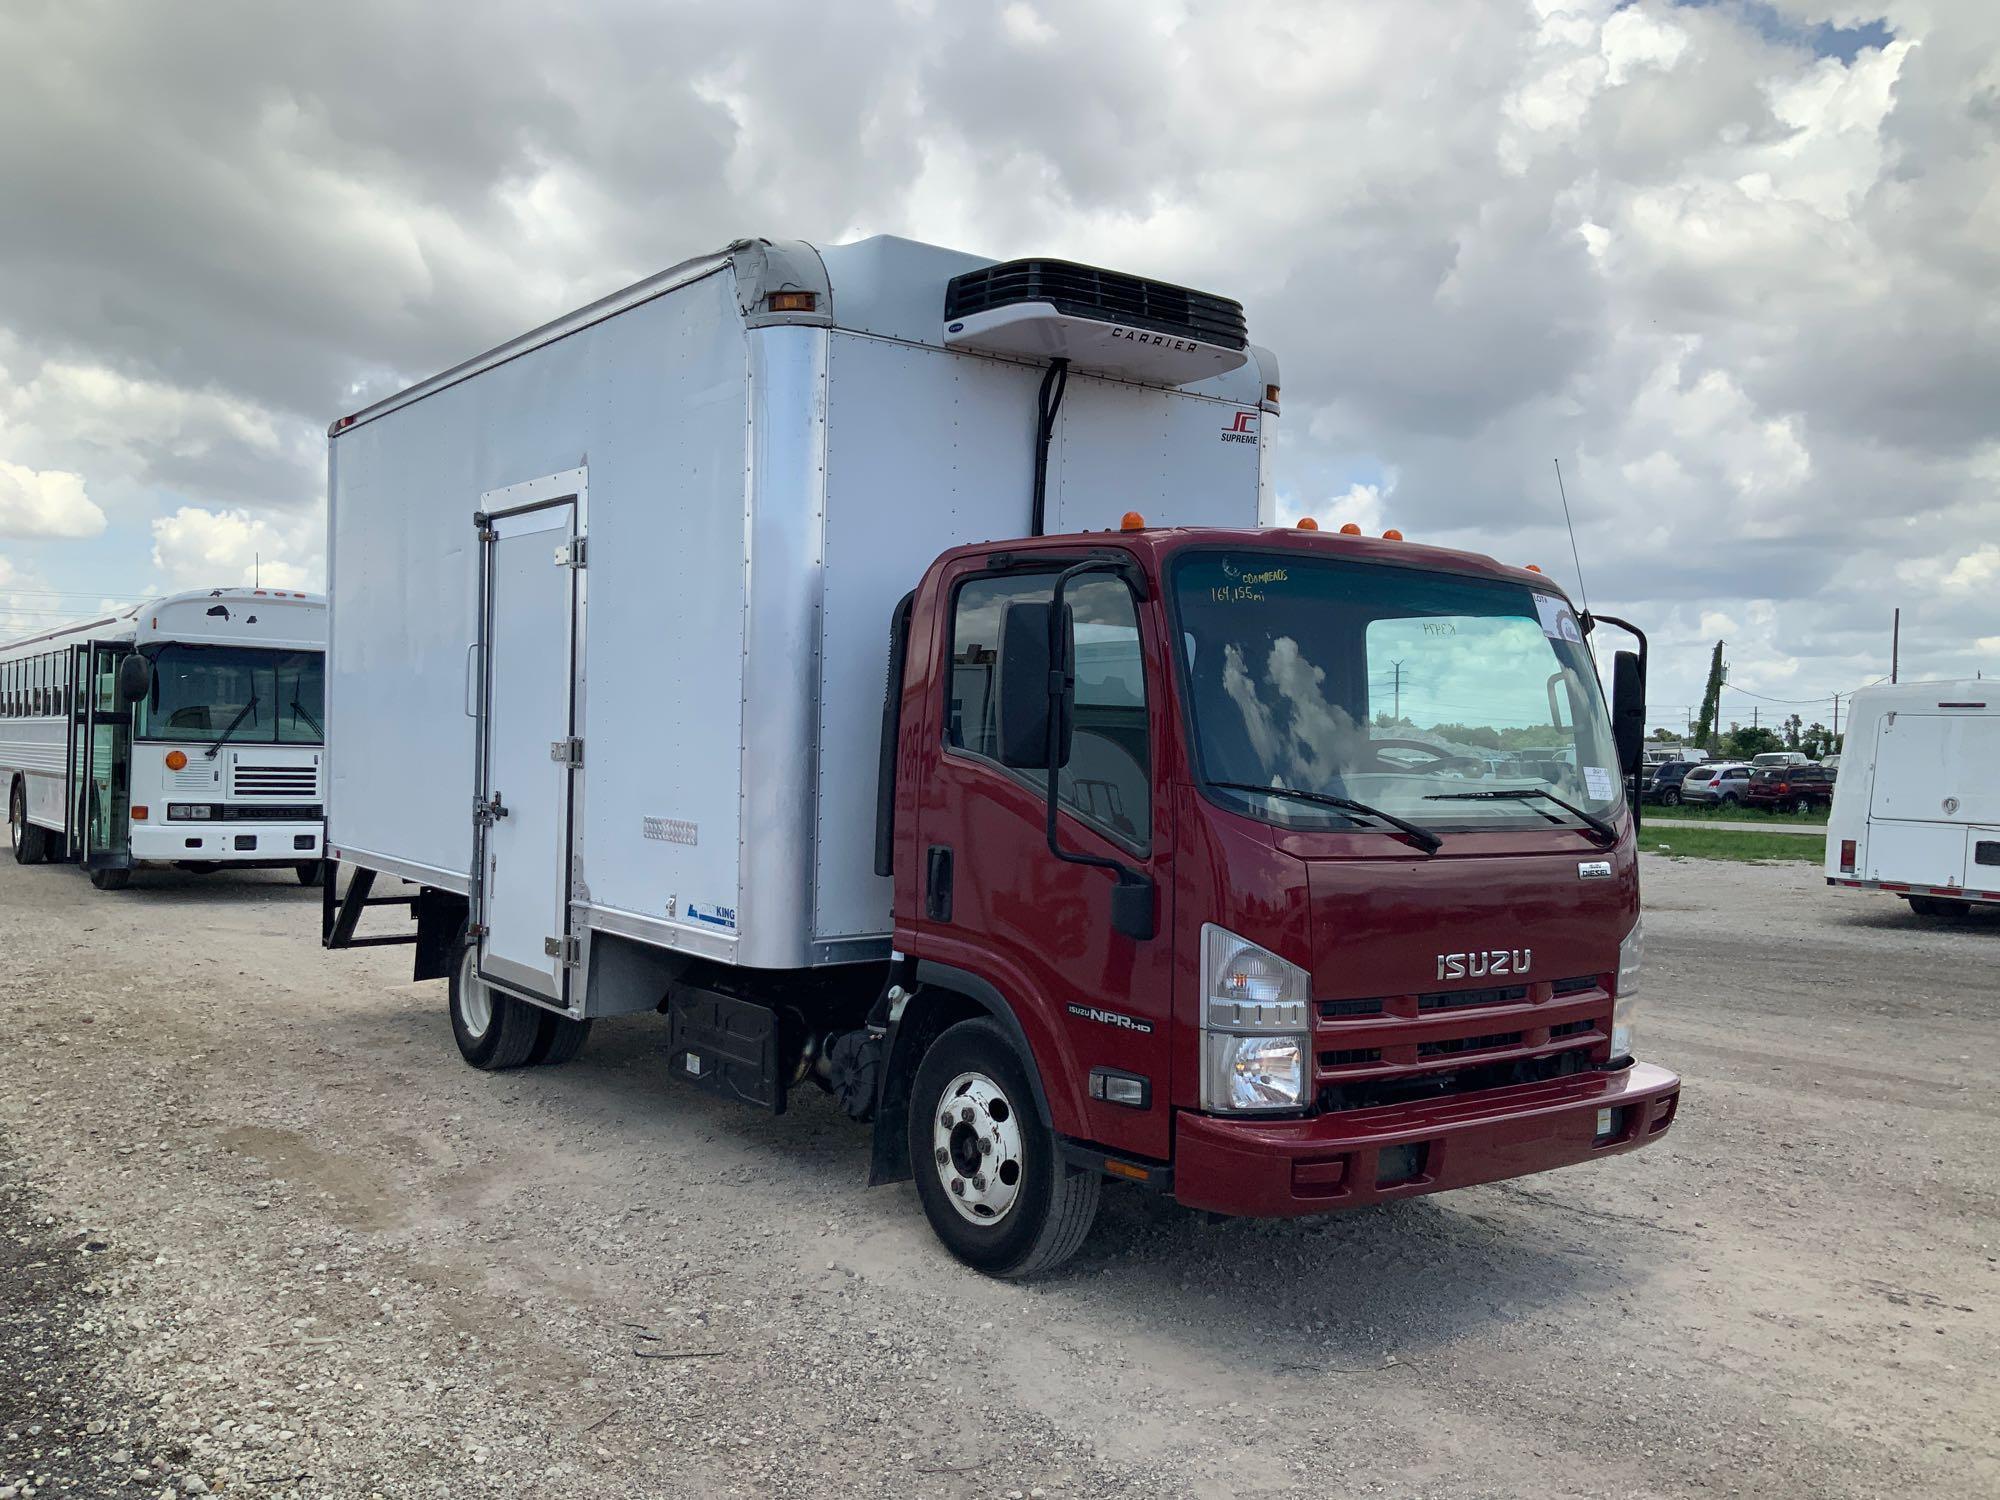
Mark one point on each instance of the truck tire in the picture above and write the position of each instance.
(310, 871)
(1939, 906)
(31, 844)
(559, 1040)
(990, 1174)
(111, 880)
(493, 1030)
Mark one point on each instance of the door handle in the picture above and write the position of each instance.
(937, 884)
(471, 683)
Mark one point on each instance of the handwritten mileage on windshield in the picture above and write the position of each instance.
(1247, 587)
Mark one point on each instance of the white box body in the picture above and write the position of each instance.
(756, 493)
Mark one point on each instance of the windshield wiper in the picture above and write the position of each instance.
(241, 714)
(1419, 835)
(1596, 824)
(299, 710)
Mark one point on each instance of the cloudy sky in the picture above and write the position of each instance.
(1735, 264)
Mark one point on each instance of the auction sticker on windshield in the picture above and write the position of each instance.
(1597, 781)
(1557, 621)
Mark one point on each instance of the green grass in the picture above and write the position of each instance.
(1813, 817)
(1718, 843)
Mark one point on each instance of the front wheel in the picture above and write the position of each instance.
(991, 1175)
(111, 880)
(493, 1029)
(309, 871)
(31, 844)
(1670, 798)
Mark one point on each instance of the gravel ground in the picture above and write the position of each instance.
(265, 1235)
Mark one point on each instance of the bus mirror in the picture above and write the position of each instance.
(135, 680)
(1628, 710)
(1023, 693)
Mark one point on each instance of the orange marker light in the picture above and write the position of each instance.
(1392, 535)
(1533, 569)
(1350, 529)
(1307, 523)
(141, 812)
(1132, 521)
(176, 760)
(792, 301)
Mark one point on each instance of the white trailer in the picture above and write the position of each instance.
(1916, 810)
(185, 730)
(611, 604)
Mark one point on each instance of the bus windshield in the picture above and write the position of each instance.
(1448, 701)
(271, 697)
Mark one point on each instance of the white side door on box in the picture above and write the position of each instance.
(530, 638)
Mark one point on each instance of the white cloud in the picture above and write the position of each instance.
(197, 548)
(45, 503)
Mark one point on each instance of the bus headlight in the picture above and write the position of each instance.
(1256, 1047)
(1625, 1002)
(192, 812)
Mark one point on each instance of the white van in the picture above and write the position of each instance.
(1918, 814)
(1780, 758)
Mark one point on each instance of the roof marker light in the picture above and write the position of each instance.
(1532, 568)
(1307, 523)
(1350, 529)
(792, 301)
(1392, 535)
(1132, 521)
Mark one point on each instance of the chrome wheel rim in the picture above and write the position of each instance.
(475, 1000)
(976, 1149)
(16, 816)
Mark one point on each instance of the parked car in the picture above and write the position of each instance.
(1789, 788)
(1719, 785)
(1662, 783)
(1780, 758)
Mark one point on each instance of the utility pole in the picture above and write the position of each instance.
(1399, 691)
(1753, 716)
(1836, 716)
(1895, 645)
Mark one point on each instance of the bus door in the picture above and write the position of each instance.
(76, 704)
(104, 789)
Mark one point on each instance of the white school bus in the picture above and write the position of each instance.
(182, 731)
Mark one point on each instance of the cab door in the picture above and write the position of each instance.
(996, 903)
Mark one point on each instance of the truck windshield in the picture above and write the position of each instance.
(1399, 688)
(199, 691)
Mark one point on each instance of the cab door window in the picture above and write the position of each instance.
(1107, 782)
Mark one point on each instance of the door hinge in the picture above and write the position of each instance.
(567, 951)
(573, 553)
(567, 752)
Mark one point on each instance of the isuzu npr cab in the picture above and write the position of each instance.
(883, 662)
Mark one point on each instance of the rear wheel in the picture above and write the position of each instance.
(1939, 906)
(493, 1029)
(1670, 798)
(31, 844)
(558, 1041)
(991, 1176)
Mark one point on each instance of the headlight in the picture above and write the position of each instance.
(1625, 1003)
(1256, 1045)
(1249, 1073)
(191, 812)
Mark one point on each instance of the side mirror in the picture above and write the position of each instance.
(1022, 676)
(135, 680)
(1628, 710)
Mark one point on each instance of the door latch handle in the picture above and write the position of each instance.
(489, 812)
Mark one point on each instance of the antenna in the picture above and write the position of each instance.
(257, 571)
(1581, 592)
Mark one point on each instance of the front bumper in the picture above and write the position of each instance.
(220, 843)
(1283, 1168)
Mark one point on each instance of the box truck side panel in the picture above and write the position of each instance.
(649, 403)
(663, 724)
(1177, 459)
